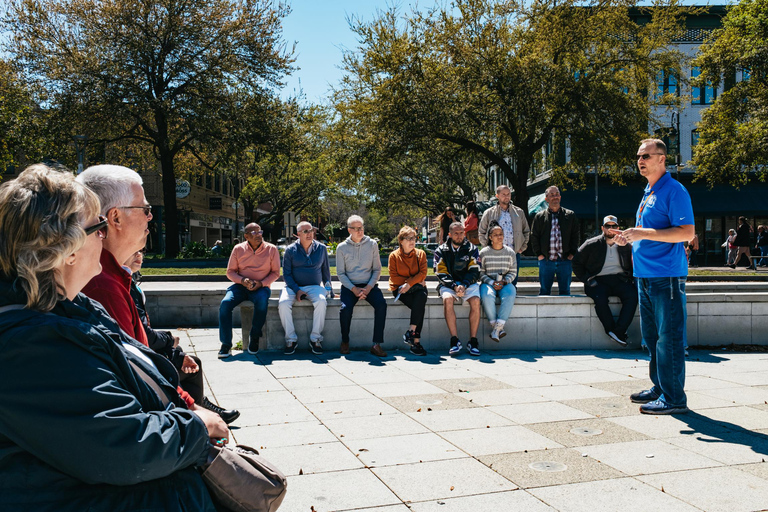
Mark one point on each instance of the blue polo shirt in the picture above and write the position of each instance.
(665, 205)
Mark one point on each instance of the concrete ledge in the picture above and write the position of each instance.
(537, 322)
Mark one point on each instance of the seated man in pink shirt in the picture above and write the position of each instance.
(253, 266)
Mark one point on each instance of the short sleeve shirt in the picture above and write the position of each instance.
(667, 204)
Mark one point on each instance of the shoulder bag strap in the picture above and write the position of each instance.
(151, 383)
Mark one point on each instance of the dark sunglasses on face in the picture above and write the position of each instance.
(254, 233)
(100, 228)
(611, 226)
(646, 156)
(147, 209)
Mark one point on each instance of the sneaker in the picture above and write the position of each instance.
(502, 332)
(455, 347)
(344, 348)
(659, 407)
(378, 351)
(225, 351)
(617, 338)
(495, 333)
(643, 397)
(253, 347)
(290, 348)
(408, 337)
(418, 350)
(227, 416)
(472, 347)
(317, 347)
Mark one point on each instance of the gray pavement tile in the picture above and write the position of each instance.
(728, 447)
(368, 427)
(487, 441)
(370, 406)
(586, 432)
(699, 382)
(737, 418)
(567, 467)
(533, 380)
(439, 402)
(539, 412)
(624, 388)
(740, 395)
(759, 378)
(385, 375)
(444, 420)
(300, 369)
(243, 401)
(554, 364)
(289, 412)
(698, 401)
(385, 508)
(501, 397)
(487, 502)
(330, 394)
(312, 458)
(759, 470)
(336, 492)
(321, 381)
(647, 457)
(605, 407)
(662, 427)
(621, 494)
(442, 479)
(237, 382)
(389, 389)
(714, 489)
(469, 384)
(407, 449)
(288, 434)
(441, 373)
(593, 376)
(572, 392)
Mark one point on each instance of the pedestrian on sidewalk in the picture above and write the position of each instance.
(743, 243)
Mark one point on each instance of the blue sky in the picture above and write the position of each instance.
(320, 30)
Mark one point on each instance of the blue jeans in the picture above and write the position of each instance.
(488, 297)
(376, 299)
(236, 294)
(662, 323)
(547, 271)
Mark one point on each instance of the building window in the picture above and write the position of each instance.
(208, 181)
(704, 95)
(694, 137)
(666, 84)
(217, 182)
(199, 181)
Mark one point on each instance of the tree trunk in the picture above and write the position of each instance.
(170, 213)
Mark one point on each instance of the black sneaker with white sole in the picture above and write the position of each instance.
(290, 348)
(225, 351)
(618, 338)
(253, 347)
(317, 347)
(418, 350)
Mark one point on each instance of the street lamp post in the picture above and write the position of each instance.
(80, 142)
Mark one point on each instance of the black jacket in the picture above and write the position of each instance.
(459, 267)
(590, 258)
(542, 226)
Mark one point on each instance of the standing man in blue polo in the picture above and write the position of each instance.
(664, 222)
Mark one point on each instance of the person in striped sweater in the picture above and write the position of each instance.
(498, 269)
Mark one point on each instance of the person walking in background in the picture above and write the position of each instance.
(471, 223)
(761, 246)
(693, 248)
(358, 266)
(407, 282)
(554, 239)
(743, 243)
(498, 269)
(664, 222)
(730, 247)
(445, 220)
(511, 219)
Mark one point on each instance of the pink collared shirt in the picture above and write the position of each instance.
(263, 264)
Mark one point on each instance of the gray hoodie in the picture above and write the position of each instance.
(358, 263)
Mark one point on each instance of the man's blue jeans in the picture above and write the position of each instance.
(236, 294)
(662, 323)
(547, 271)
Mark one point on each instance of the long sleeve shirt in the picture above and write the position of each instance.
(262, 264)
(302, 268)
(408, 268)
(358, 262)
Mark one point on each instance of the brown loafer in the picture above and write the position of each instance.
(344, 349)
(378, 351)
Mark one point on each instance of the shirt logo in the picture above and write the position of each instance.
(651, 201)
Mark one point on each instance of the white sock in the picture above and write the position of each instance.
(500, 325)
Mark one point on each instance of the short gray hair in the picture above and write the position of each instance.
(112, 183)
(355, 218)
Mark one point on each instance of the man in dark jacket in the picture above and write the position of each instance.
(457, 266)
(554, 239)
(743, 242)
(605, 268)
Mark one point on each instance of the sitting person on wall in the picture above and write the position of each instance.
(190, 368)
(83, 424)
(605, 268)
(407, 282)
(498, 269)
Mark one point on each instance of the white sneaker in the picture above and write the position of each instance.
(495, 333)
(502, 332)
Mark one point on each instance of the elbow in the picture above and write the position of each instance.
(688, 231)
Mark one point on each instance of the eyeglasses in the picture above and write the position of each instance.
(611, 226)
(359, 228)
(147, 209)
(306, 231)
(409, 238)
(254, 232)
(646, 156)
(100, 228)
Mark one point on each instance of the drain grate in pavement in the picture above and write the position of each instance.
(547, 466)
(584, 431)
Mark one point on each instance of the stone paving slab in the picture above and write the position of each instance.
(529, 431)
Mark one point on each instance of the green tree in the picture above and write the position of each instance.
(175, 75)
(502, 79)
(733, 133)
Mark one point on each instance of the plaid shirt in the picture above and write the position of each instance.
(555, 240)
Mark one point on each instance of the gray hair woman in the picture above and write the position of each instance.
(83, 427)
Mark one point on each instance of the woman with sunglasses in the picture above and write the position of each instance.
(407, 282)
(82, 422)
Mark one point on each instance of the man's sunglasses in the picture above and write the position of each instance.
(147, 209)
(254, 233)
(646, 156)
(100, 228)
(611, 226)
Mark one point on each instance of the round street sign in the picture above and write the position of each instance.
(183, 188)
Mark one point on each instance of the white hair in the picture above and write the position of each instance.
(112, 183)
(303, 222)
(355, 218)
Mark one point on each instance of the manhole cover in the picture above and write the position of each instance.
(583, 431)
(548, 466)
(613, 406)
(429, 402)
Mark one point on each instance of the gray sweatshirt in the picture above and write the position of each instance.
(358, 263)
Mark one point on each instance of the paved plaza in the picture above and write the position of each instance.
(527, 431)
